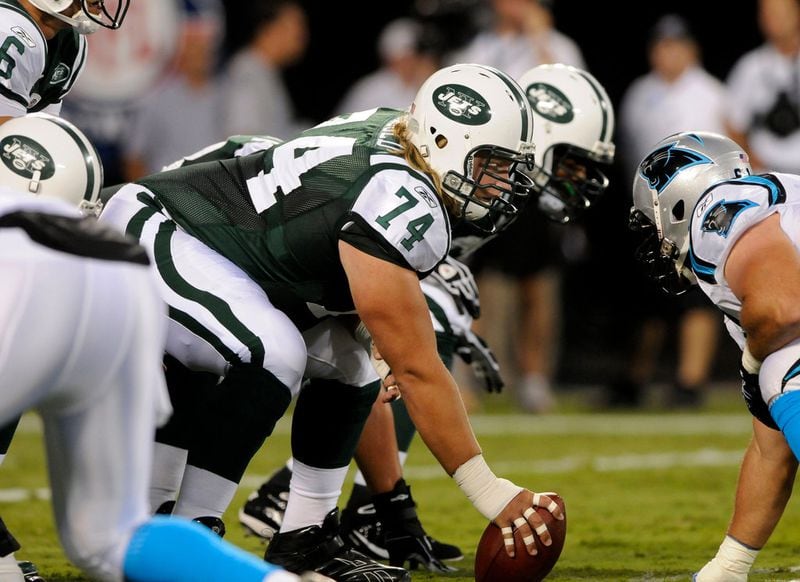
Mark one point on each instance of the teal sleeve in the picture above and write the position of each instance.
(786, 412)
(179, 550)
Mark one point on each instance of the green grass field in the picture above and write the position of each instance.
(648, 494)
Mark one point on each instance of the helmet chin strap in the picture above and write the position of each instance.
(80, 22)
(33, 185)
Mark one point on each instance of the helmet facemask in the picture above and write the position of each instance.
(492, 189)
(661, 258)
(90, 14)
(576, 180)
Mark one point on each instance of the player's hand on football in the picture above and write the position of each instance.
(520, 514)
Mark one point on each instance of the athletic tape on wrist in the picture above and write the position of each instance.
(488, 493)
(734, 556)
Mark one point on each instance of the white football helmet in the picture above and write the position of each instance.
(48, 156)
(572, 129)
(90, 14)
(671, 179)
(469, 122)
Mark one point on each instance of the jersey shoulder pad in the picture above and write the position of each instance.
(401, 207)
(24, 51)
(724, 214)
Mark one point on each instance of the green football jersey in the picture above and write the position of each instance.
(279, 213)
(35, 73)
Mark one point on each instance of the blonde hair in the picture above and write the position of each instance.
(415, 159)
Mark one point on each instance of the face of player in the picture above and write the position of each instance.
(492, 175)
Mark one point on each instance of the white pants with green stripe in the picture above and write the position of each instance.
(217, 315)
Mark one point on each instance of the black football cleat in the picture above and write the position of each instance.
(29, 572)
(215, 524)
(404, 537)
(320, 549)
(263, 511)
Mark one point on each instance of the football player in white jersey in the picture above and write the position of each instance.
(43, 49)
(707, 221)
(321, 223)
(99, 385)
(42, 53)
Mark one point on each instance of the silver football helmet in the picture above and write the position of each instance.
(670, 181)
(48, 156)
(473, 124)
(572, 129)
(90, 14)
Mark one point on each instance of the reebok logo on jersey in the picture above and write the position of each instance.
(462, 104)
(60, 74)
(550, 103)
(23, 36)
(426, 196)
(25, 157)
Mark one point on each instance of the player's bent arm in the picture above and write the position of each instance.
(762, 492)
(763, 271)
(390, 302)
(765, 485)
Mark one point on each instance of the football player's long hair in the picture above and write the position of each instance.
(413, 156)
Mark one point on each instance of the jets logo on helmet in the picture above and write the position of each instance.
(48, 156)
(721, 216)
(462, 104)
(474, 127)
(550, 103)
(661, 166)
(27, 158)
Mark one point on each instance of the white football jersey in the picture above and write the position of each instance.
(722, 216)
(35, 75)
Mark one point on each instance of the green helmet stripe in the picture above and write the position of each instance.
(522, 101)
(604, 130)
(87, 155)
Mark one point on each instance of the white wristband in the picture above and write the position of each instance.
(488, 493)
(735, 557)
(749, 362)
(731, 564)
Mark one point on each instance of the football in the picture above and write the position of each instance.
(492, 564)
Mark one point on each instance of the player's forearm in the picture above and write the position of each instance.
(764, 487)
(434, 404)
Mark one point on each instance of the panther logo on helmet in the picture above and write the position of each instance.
(721, 216)
(663, 164)
(26, 157)
(550, 103)
(462, 104)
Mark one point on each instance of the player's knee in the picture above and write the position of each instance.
(286, 360)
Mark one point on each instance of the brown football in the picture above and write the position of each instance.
(492, 564)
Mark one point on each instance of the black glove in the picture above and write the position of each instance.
(457, 279)
(751, 392)
(474, 351)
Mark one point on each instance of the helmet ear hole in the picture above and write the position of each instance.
(441, 141)
(678, 211)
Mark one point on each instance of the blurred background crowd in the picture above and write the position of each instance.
(563, 306)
